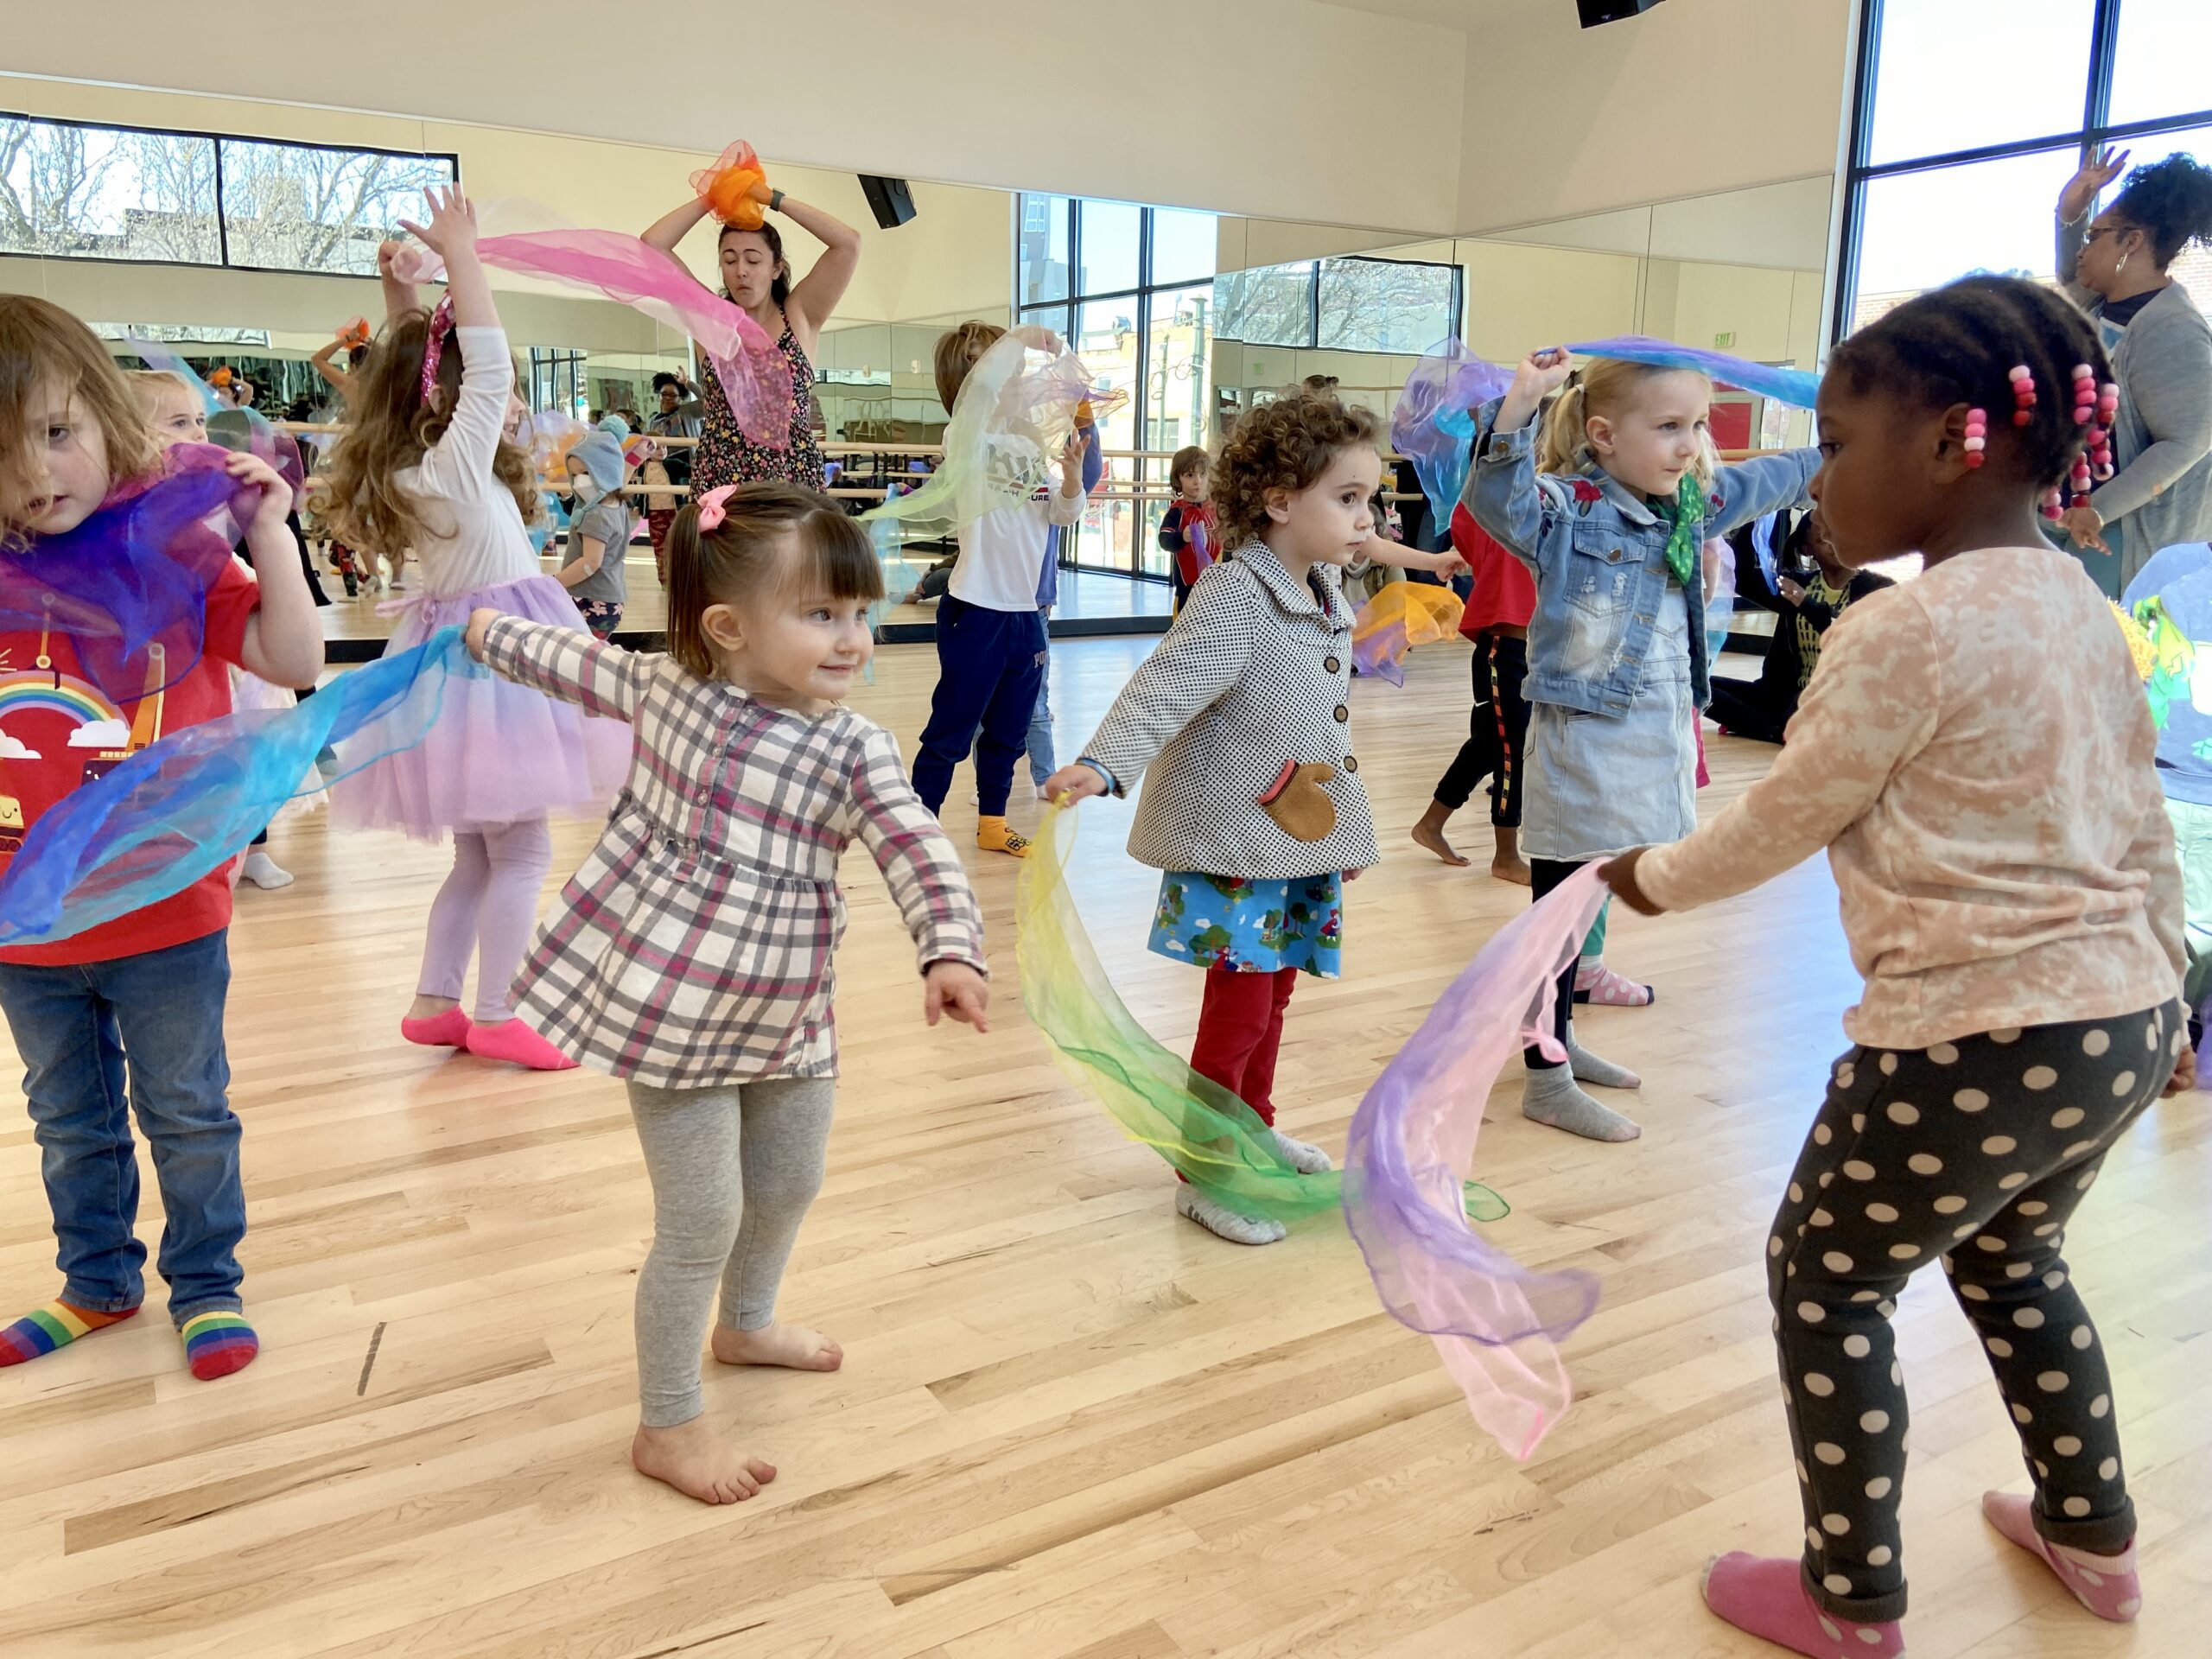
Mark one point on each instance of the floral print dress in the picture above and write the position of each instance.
(726, 455)
(1238, 926)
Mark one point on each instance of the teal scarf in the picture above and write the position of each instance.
(1684, 543)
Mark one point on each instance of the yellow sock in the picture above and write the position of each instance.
(993, 836)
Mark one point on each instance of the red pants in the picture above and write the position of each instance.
(1240, 1029)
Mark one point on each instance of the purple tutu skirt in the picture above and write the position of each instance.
(497, 752)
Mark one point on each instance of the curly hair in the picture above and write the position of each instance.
(1958, 345)
(2170, 201)
(1283, 445)
(388, 428)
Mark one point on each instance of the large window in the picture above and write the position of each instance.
(71, 191)
(1970, 116)
(1130, 288)
(1400, 306)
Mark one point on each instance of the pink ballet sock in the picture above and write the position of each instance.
(1766, 1596)
(513, 1041)
(447, 1030)
(2106, 1585)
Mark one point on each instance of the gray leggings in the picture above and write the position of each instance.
(733, 1169)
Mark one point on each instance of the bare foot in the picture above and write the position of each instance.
(699, 1463)
(793, 1346)
(1510, 870)
(430, 1007)
(1429, 833)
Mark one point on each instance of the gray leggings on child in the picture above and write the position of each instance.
(733, 1169)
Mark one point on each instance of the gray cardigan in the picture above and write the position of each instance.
(2163, 444)
(1254, 674)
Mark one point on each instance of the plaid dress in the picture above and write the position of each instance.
(694, 946)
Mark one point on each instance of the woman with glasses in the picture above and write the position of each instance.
(2118, 268)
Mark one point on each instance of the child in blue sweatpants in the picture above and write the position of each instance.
(990, 632)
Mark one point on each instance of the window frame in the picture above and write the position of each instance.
(223, 260)
(2096, 131)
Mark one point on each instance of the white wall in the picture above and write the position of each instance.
(1219, 104)
(1693, 97)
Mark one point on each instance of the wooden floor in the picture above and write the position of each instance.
(1070, 1425)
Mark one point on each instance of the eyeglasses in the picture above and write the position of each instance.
(2096, 230)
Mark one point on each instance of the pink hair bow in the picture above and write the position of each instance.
(434, 347)
(713, 506)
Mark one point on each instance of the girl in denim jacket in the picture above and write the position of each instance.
(1609, 514)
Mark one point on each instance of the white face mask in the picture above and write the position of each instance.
(585, 490)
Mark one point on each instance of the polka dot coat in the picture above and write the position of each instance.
(1254, 676)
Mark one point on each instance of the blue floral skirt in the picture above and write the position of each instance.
(1251, 927)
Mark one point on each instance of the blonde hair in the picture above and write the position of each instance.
(1610, 387)
(390, 429)
(40, 344)
(959, 350)
(151, 386)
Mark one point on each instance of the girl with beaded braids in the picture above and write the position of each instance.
(1975, 752)
(1609, 510)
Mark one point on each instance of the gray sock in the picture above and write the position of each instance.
(1594, 1068)
(1552, 1096)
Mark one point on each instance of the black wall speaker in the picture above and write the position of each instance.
(1595, 12)
(889, 199)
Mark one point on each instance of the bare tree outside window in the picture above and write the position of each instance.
(298, 208)
(74, 192)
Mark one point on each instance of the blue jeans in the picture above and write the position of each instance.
(77, 1028)
(989, 664)
(1040, 731)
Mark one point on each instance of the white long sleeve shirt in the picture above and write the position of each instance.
(474, 534)
(1002, 553)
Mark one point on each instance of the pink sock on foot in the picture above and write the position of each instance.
(2106, 1585)
(1766, 1596)
(513, 1041)
(447, 1030)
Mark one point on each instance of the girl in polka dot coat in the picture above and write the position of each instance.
(1239, 725)
(1975, 754)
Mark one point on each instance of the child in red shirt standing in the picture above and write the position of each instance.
(137, 1000)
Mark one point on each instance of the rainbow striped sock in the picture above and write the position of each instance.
(218, 1343)
(45, 1328)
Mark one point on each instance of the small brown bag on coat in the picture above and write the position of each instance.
(1298, 804)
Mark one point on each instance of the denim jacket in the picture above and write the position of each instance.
(1599, 557)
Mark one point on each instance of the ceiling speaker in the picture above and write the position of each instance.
(889, 199)
(1595, 12)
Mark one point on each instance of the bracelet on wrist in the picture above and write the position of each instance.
(775, 201)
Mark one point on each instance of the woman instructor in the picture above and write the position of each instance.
(2118, 268)
(755, 275)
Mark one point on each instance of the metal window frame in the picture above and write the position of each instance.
(2097, 130)
(216, 139)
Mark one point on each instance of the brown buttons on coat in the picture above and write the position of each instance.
(1330, 664)
(1342, 714)
(1351, 763)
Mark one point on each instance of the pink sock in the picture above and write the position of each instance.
(513, 1041)
(2106, 1585)
(1766, 1596)
(447, 1030)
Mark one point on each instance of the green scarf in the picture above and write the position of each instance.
(1684, 545)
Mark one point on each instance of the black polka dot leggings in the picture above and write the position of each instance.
(1977, 1152)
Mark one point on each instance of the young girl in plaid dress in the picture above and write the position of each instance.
(692, 954)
